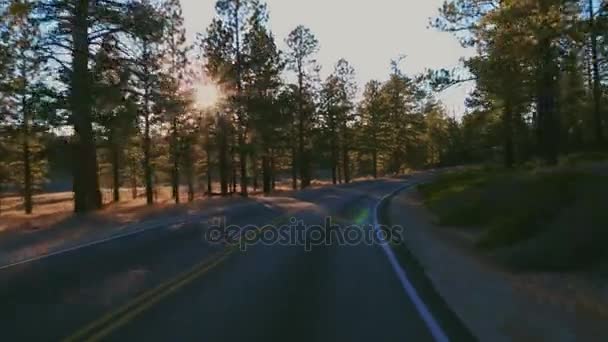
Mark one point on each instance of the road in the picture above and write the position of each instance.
(174, 284)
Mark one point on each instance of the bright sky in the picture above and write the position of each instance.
(368, 33)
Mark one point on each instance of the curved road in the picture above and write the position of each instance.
(173, 284)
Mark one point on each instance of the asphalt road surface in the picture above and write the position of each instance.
(173, 284)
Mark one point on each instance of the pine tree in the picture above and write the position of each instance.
(146, 60)
(73, 28)
(24, 98)
(115, 110)
(373, 122)
(302, 46)
(175, 51)
(399, 98)
(262, 84)
(338, 95)
(223, 50)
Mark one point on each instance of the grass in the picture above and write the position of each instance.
(546, 219)
(51, 209)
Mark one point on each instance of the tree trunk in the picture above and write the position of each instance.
(87, 196)
(334, 175)
(27, 166)
(190, 182)
(266, 174)
(548, 122)
(241, 130)
(302, 160)
(223, 156)
(375, 163)
(334, 158)
(115, 171)
(243, 165)
(175, 169)
(273, 170)
(147, 157)
(508, 134)
(133, 186)
(345, 156)
(27, 174)
(254, 166)
(233, 168)
(597, 91)
(294, 168)
(375, 154)
(209, 180)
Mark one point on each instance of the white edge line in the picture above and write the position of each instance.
(89, 244)
(435, 329)
(112, 237)
(151, 226)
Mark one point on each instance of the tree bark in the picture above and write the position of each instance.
(115, 171)
(375, 153)
(334, 156)
(209, 180)
(345, 156)
(223, 156)
(233, 168)
(597, 92)
(548, 122)
(375, 163)
(273, 170)
(294, 168)
(27, 166)
(242, 125)
(243, 174)
(133, 186)
(175, 169)
(27, 172)
(266, 174)
(147, 145)
(302, 160)
(87, 195)
(254, 166)
(508, 135)
(190, 175)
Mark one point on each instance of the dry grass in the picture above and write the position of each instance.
(53, 208)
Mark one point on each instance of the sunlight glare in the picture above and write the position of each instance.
(207, 95)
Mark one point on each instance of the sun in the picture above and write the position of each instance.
(207, 94)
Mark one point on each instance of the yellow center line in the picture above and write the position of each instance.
(149, 295)
(121, 316)
(130, 315)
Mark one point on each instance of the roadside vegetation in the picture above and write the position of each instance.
(531, 217)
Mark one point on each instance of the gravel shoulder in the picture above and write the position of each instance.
(495, 304)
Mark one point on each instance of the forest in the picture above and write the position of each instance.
(105, 91)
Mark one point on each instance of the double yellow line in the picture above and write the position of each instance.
(113, 320)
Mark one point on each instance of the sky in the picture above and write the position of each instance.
(367, 33)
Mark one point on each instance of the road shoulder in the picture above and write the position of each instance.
(481, 295)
